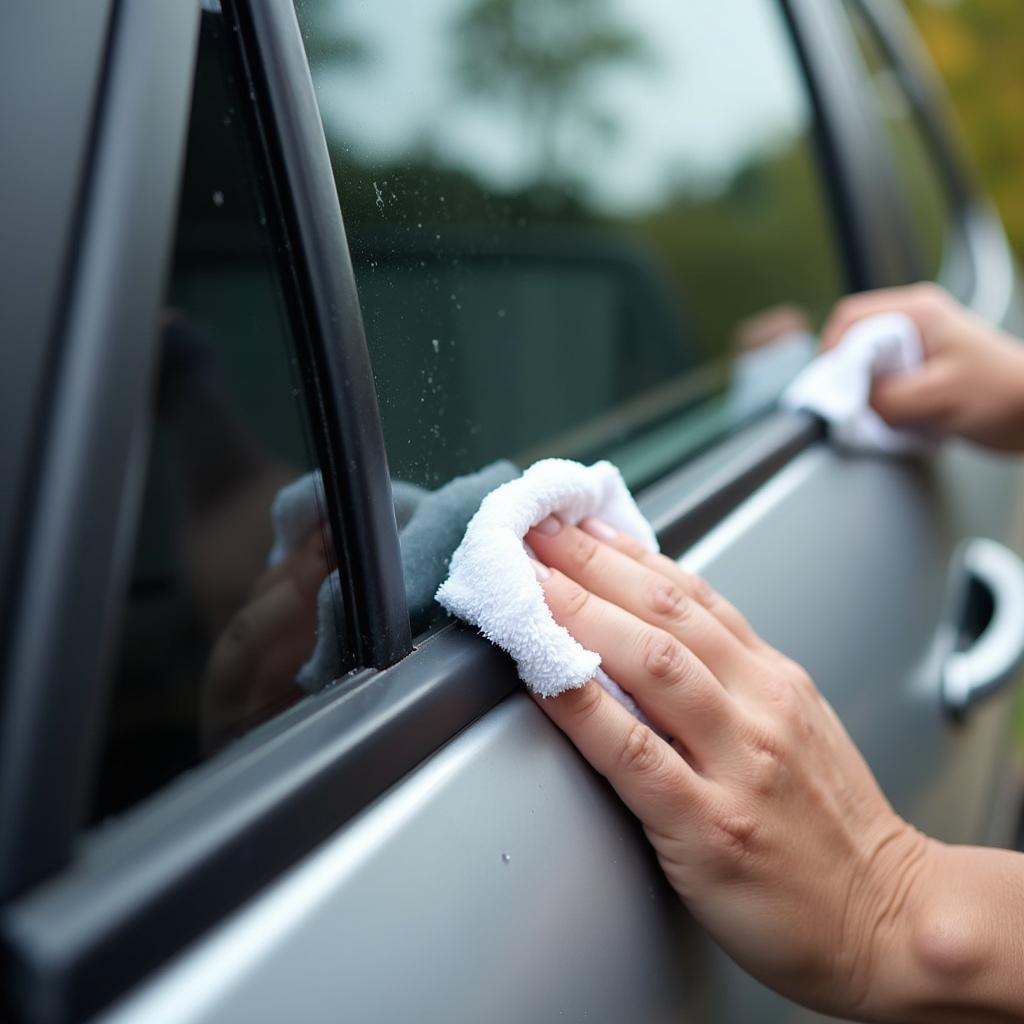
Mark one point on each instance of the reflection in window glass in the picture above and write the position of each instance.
(215, 629)
(564, 214)
(923, 194)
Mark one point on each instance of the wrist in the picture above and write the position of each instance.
(942, 944)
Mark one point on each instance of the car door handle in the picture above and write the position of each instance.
(991, 625)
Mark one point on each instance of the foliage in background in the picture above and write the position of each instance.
(977, 47)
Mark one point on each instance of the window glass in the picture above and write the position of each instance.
(227, 588)
(579, 227)
(923, 193)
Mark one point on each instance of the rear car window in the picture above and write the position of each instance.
(579, 227)
(222, 613)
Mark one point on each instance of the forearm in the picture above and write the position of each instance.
(958, 953)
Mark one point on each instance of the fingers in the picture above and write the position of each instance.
(693, 587)
(667, 600)
(657, 785)
(311, 561)
(865, 304)
(917, 397)
(253, 664)
(674, 687)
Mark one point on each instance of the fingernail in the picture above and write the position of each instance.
(542, 572)
(597, 528)
(549, 526)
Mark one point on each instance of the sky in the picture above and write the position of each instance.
(721, 84)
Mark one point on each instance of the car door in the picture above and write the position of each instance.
(415, 841)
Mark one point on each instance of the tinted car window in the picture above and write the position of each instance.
(568, 217)
(222, 612)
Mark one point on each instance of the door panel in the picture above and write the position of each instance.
(504, 881)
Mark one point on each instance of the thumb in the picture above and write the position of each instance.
(905, 398)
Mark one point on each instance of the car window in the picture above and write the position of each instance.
(922, 190)
(232, 591)
(579, 227)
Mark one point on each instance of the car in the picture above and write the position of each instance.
(364, 251)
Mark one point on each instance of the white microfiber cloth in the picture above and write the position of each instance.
(493, 586)
(837, 385)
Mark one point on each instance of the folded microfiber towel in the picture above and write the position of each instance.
(431, 523)
(493, 586)
(837, 385)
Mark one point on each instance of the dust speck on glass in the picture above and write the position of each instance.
(579, 227)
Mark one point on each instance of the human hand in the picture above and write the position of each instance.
(251, 672)
(972, 381)
(764, 817)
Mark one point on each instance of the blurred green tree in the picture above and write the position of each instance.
(977, 47)
(538, 57)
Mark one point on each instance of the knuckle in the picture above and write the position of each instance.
(587, 703)
(662, 655)
(733, 840)
(793, 697)
(782, 696)
(662, 597)
(576, 599)
(639, 753)
(800, 679)
(766, 764)
(703, 592)
(581, 552)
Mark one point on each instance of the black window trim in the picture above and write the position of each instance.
(355, 468)
(30, 318)
(87, 480)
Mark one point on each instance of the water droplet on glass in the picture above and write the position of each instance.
(227, 120)
(218, 198)
(437, 345)
(506, 859)
(501, 313)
